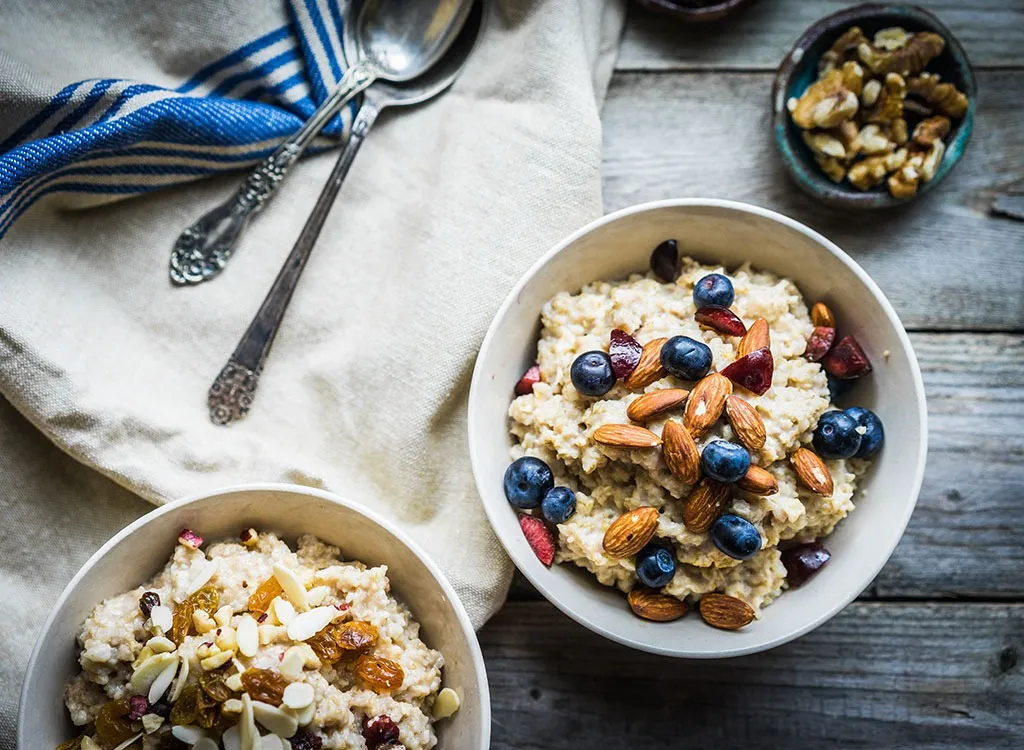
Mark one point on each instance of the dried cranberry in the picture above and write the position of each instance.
(803, 561)
(147, 601)
(530, 378)
(819, 343)
(378, 732)
(720, 319)
(624, 351)
(137, 706)
(665, 261)
(306, 740)
(846, 360)
(753, 372)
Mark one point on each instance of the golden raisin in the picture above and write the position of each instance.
(266, 592)
(186, 708)
(343, 640)
(112, 725)
(264, 685)
(207, 599)
(212, 684)
(380, 675)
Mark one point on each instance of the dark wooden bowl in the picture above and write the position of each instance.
(799, 70)
(696, 13)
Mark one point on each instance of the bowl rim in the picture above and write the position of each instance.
(807, 176)
(716, 11)
(462, 616)
(532, 573)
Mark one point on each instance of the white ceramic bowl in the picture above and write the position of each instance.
(731, 234)
(141, 549)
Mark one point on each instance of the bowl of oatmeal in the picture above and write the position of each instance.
(262, 616)
(698, 428)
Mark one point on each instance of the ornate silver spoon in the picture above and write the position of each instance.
(396, 40)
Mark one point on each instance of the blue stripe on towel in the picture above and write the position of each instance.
(256, 45)
(59, 99)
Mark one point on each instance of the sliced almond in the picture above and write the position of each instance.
(308, 624)
(822, 317)
(656, 402)
(626, 436)
(163, 681)
(746, 423)
(725, 612)
(282, 610)
(304, 715)
(758, 481)
(704, 505)
(161, 617)
(248, 635)
(649, 368)
(655, 606)
(160, 645)
(812, 472)
(274, 719)
(204, 572)
(706, 403)
(630, 532)
(179, 684)
(292, 663)
(298, 695)
(217, 660)
(446, 704)
(292, 587)
(143, 677)
(248, 733)
(680, 452)
(757, 337)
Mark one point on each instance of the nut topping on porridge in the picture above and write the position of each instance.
(316, 651)
(710, 517)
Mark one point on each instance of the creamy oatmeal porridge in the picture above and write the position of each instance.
(249, 645)
(647, 454)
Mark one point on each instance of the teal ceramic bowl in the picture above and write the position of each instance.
(799, 70)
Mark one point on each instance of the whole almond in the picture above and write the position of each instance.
(653, 605)
(649, 368)
(746, 423)
(651, 404)
(822, 317)
(704, 505)
(757, 337)
(680, 452)
(812, 472)
(706, 403)
(630, 532)
(626, 435)
(725, 612)
(758, 481)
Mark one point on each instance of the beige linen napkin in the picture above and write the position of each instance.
(365, 391)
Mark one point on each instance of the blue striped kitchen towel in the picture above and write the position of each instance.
(179, 91)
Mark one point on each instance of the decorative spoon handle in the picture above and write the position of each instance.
(202, 250)
(232, 392)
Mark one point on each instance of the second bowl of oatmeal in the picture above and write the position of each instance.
(703, 450)
(272, 610)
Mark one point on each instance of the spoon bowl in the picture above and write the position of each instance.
(403, 39)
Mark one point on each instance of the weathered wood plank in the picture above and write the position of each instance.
(991, 31)
(964, 537)
(909, 676)
(944, 261)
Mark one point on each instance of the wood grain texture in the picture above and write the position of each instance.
(991, 31)
(909, 676)
(708, 135)
(963, 540)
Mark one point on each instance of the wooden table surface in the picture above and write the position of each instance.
(930, 656)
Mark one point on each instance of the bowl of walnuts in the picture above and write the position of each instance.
(873, 106)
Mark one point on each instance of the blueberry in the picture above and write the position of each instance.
(713, 289)
(558, 505)
(836, 435)
(592, 373)
(871, 441)
(737, 537)
(838, 388)
(527, 481)
(686, 358)
(724, 461)
(655, 565)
